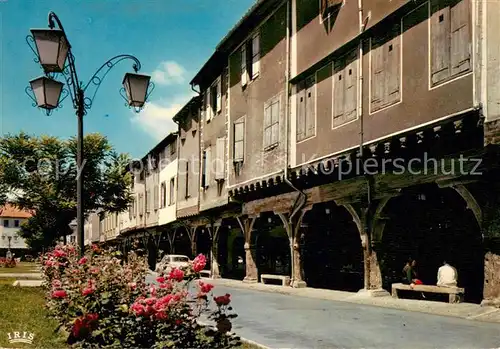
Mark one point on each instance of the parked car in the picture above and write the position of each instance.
(170, 261)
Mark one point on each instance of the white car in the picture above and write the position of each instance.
(170, 261)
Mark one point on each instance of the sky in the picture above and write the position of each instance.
(171, 38)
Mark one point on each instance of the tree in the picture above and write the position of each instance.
(41, 173)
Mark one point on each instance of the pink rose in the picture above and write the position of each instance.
(87, 291)
(59, 294)
(59, 253)
(56, 283)
(160, 279)
(176, 274)
(205, 288)
(199, 263)
(83, 260)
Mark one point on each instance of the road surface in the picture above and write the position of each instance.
(287, 321)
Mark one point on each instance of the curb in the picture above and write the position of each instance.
(244, 340)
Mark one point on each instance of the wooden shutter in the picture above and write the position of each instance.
(155, 198)
(338, 92)
(351, 88)
(220, 165)
(209, 165)
(204, 169)
(460, 37)
(310, 100)
(239, 136)
(244, 73)
(219, 95)
(377, 77)
(267, 125)
(172, 191)
(393, 71)
(440, 45)
(275, 122)
(255, 56)
(301, 111)
(208, 106)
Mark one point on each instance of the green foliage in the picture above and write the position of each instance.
(41, 172)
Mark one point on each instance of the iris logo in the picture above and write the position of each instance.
(21, 337)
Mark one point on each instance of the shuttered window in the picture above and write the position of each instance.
(255, 56)
(306, 108)
(220, 163)
(239, 138)
(218, 100)
(250, 59)
(244, 72)
(345, 89)
(163, 195)
(171, 196)
(385, 79)
(271, 123)
(156, 198)
(450, 40)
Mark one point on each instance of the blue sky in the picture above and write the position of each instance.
(171, 38)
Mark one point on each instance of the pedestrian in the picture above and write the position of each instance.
(447, 276)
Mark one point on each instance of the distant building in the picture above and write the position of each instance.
(11, 220)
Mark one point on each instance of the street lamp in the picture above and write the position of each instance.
(53, 51)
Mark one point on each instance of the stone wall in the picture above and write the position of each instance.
(492, 279)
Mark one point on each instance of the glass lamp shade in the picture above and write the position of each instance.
(136, 88)
(47, 92)
(52, 47)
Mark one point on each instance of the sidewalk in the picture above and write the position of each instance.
(21, 276)
(463, 310)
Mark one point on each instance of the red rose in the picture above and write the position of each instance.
(59, 294)
(82, 260)
(160, 279)
(199, 263)
(176, 274)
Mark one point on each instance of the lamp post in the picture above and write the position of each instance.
(53, 51)
(9, 253)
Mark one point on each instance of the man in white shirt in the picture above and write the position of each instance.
(447, 276)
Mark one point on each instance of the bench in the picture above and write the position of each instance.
(285, 280)
(456, 294)
(205, 273)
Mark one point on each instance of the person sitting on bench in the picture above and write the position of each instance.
(447, 276)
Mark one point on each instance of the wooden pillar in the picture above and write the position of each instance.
(292, 227)
(370, 223)
(246, 224)
(213, 230)
(191, 231)
(171, 240)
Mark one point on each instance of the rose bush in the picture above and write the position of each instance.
(104, 302)
(7, 262)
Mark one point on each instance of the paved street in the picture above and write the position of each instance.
(287, 321)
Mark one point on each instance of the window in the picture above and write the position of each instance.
(219, 154)
(345, 89)
(213, 100)
(327, 8)
(6, 223)
(163, 195)
(239, 137)
(385, 70)
(187, 180)
(171, 196)
(450, 40)
(16, 223)
(250, 59)
(306, 110)
(207, 168)
(271, 123)
(148, 201)
(173, 148)
(72, 239)
(156, 197)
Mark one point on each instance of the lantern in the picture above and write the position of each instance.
(52, 47)
(47, 92)
(136, 88)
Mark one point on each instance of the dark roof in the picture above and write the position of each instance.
(181, 114)
(212, 68)
(163, 143)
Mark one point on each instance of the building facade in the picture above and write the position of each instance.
(331, 140)
(11, 220)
